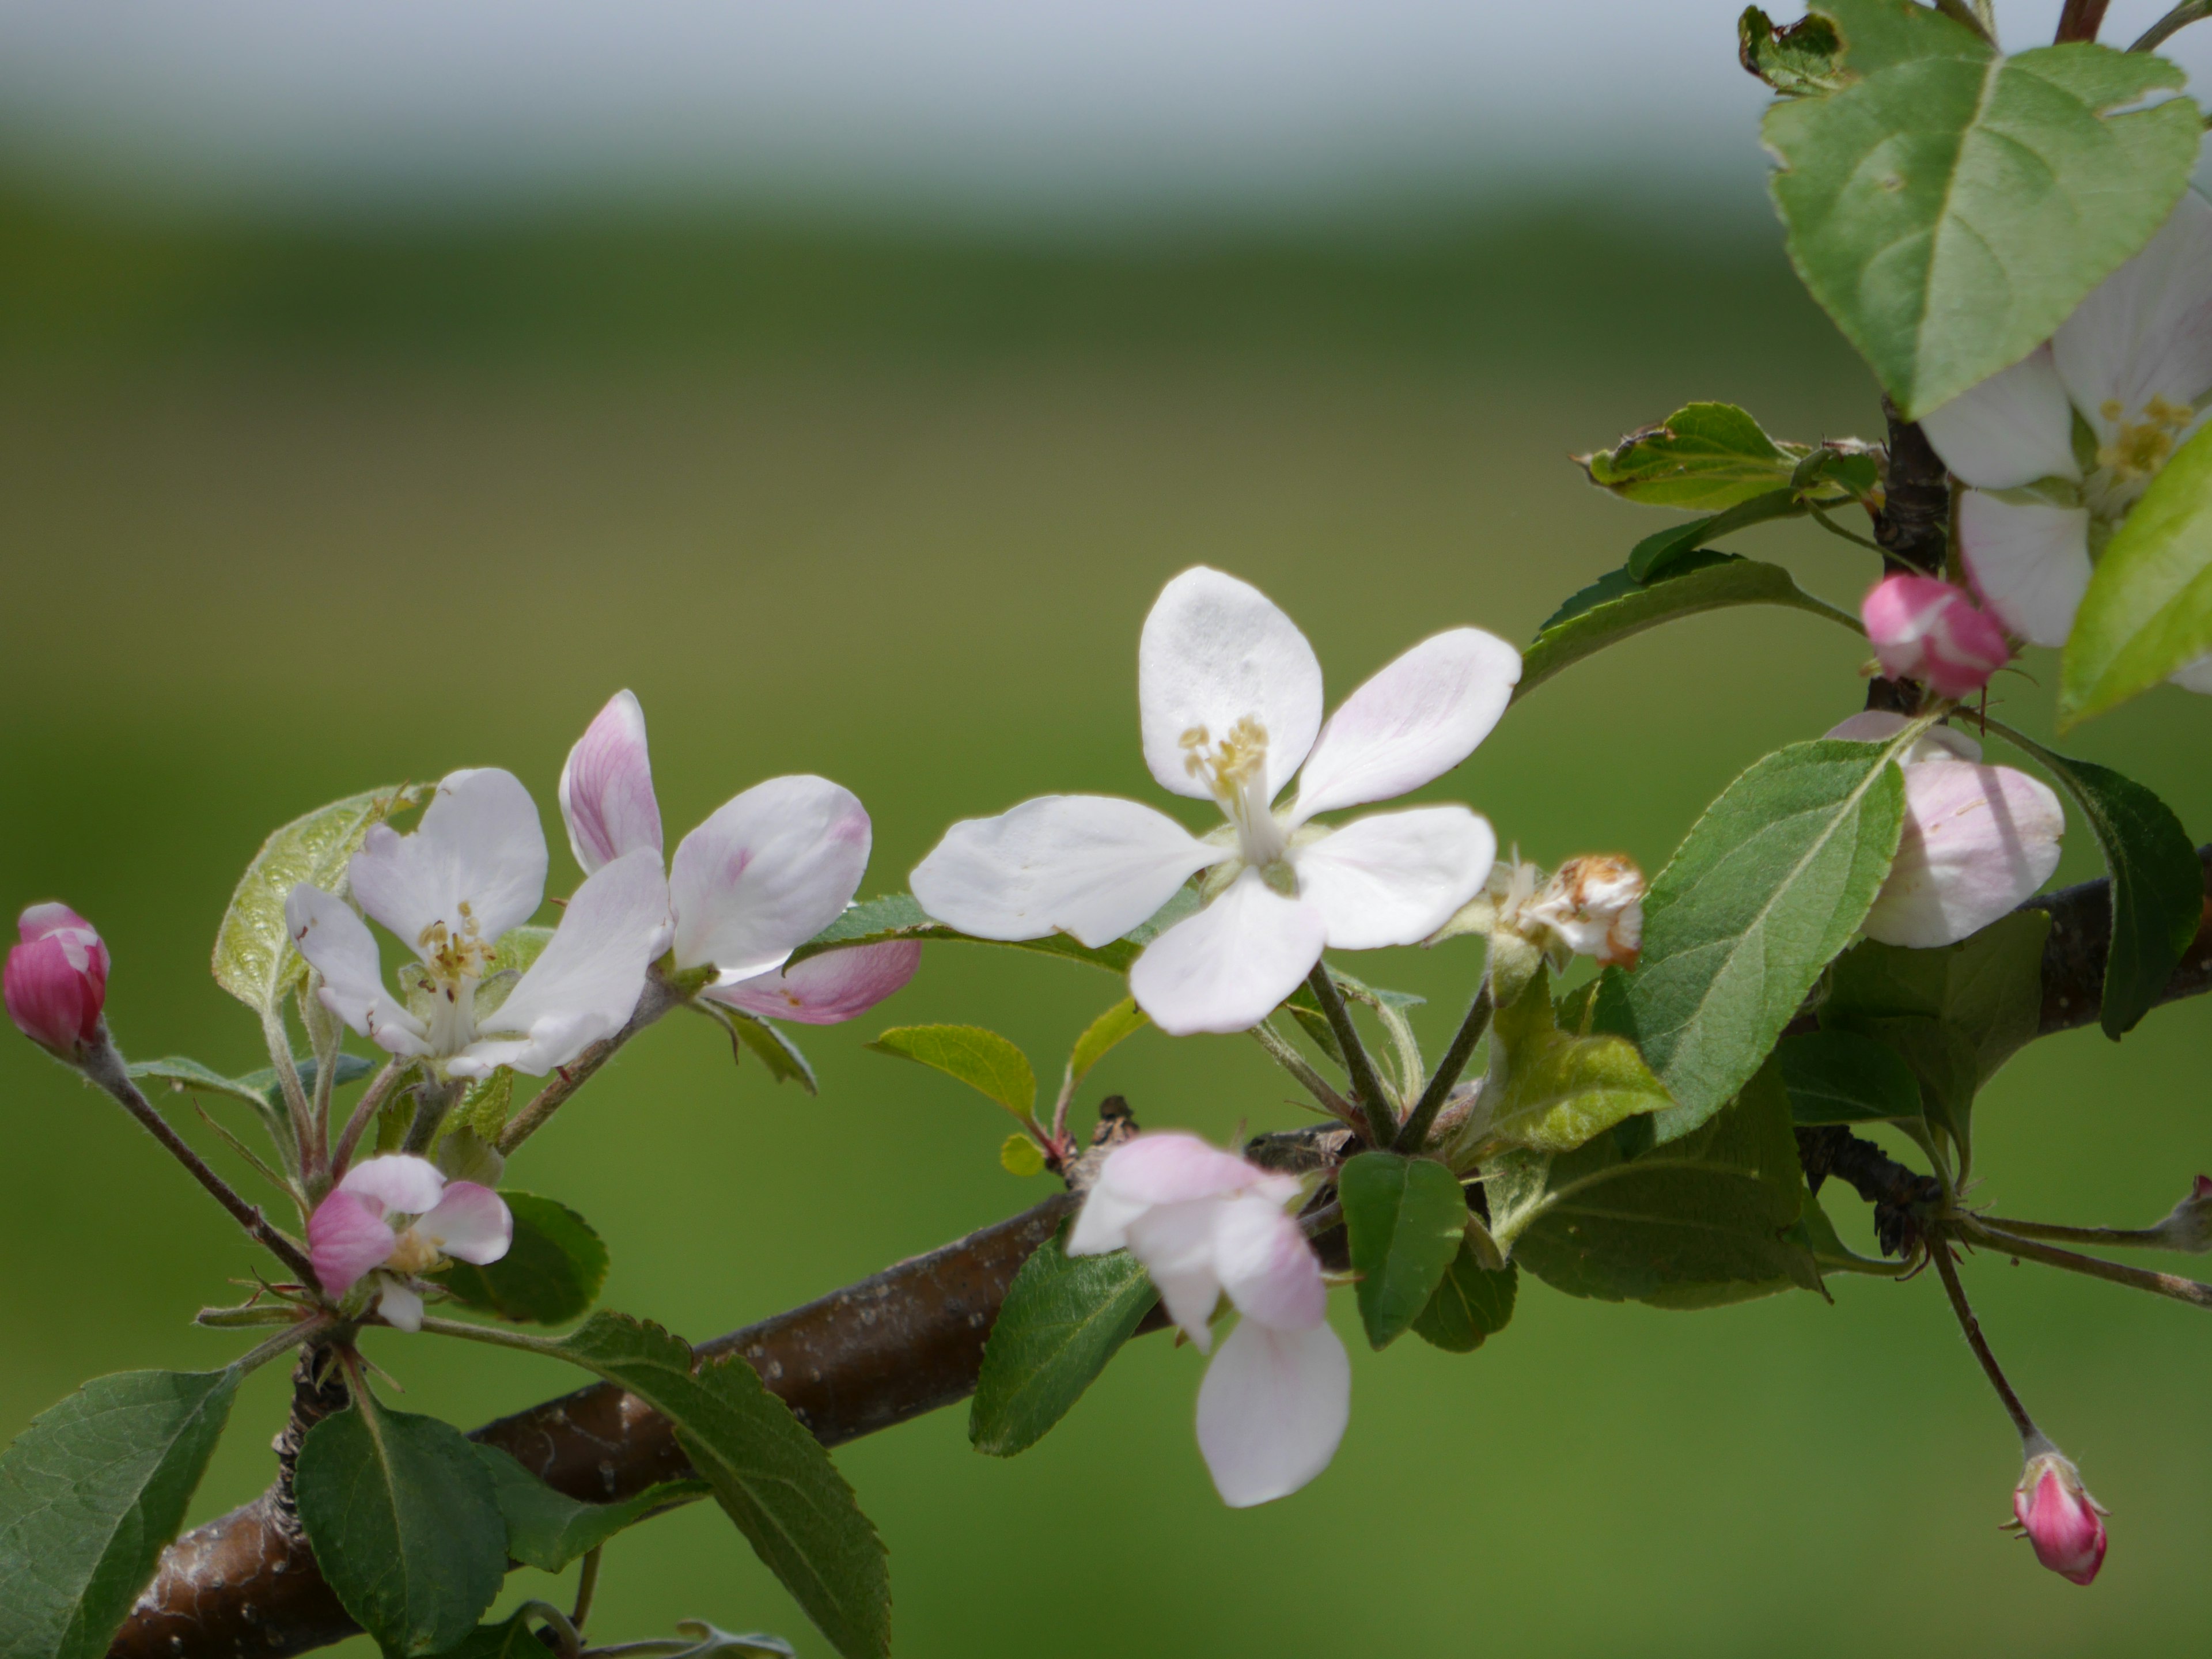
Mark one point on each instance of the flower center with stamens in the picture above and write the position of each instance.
(412, 1255)
(456, 961)
(1234, 771)
(2140, 446)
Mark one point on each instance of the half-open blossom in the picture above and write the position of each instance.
(1593, 906)
(2129, 370)
(2053, 1511)
(396, 1216)
(2189, 1226)
(765, 873)
(1205, 1223)
(1927, 630)
(473, 869)
(1977, 839)
(1229, 694)
(56, 980)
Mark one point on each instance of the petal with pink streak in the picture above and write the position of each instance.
(1273, 1410)
(838, 985)
(606, 788)
(346, 1238)
(768, 870)
(1977, 841)
(1266, 1265)
(399, 1182)
(1227, 967)
(470, 1223)
(1414, 721)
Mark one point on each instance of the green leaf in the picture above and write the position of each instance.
(1552, 1090)
(983, 1060)
(1124, 1019)
(1471, 1303)
(1798, 61)
(2158, 882)
(1842, 1077)
(1617, 607)
(1769, 884)
(1704, 456)
(785, 1063)
(547, 1529)
(350, 1068)
(1703, 1220)
(90, 1493)
(405, 1524)
(1018, 1154)
(771, 1476)
(254, 960)
(1818, 1234)
(510, 1638)
(550, 1274)
(1989, 985)
(1407, 1219)
(186, 1074)
(1949, 207)
(1064, 1317)
(1658, 556)
(2148, 611)
(485, 1108)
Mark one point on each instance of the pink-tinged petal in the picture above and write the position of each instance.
(1273, 1410)
(1266, 1265)
(768, 871)
(56, 980)
(401, 1307)
(838, 985)
(1929, 630)
(470, 1223)
(1091, 866)
(340, 947)
(2030, 564)
(1227, 967)
(1977, 840)
(1170, 1168)
(1937, 743)
(2014, 428)
(1175, 1242)
(396, 1183)
(1395, 878)
(474, 865)
(346, 1238)
(2059, 1517)
(606, 788)
(1413, 722)
(1215, 651)
(585, 983)
(2146, 331)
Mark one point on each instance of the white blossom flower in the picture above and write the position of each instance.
(473, 869)
(395, 1216)
(2061, 444)
(1230, 693)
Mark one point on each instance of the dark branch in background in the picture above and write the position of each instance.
(906, 1342)
(2081, 20)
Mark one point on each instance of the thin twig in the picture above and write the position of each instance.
(587, 1584)
(1284, 1054)
(1414, 1133)
(2081, 20)
(1377, 1119)
(305, 1330)
(1939, 1251)
(2115, 1238)
(288, 1074)
(2138, 1278)
(2189, 11)
(364, 1112)
(657, 998)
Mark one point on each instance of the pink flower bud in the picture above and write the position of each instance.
(2189, 1226)
(1927, 630)
(57, 980)
(2057, 1515)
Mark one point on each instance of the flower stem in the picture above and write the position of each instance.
(296, 1111)
(657, 998)
(587, 1584)
(1280, 1051)
(492, 1334)
(1374, 1104)
(1939, 1251)
(2137, 1279)
(2189, 11)
(2081, 20)
(1414, 1133)
(2126, 1238)
(433, 1098)
(364, 1112)
(284, 1341)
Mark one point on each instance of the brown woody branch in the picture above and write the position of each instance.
(906, 1342)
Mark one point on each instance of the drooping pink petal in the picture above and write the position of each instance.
(765, 873)
(1177, 1244)
(339, 946)
(1977, 841)
(1227, 967)
(2146, 331)
(475, 864)
(2013, 428)
(346, 1238)
(2059, 1517)
(56, 980)
(1216, 652)
(2028, 563)
(1168, 1168)
(1414, 721)
(401, 1307)
(396, 1183)
(1266, 1265)
(1273, 1410)
(1091, 866)
(1395, 878)
(838, 985)
(606, 788)
(469, 1223)
(1925, 629)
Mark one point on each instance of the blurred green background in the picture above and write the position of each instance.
(290, 512)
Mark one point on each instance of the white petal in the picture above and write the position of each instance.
(2011, 429)
(1414, 721)
(2030, 564)
(344, 952)
(2198, 676)
(402, 1308)
(1266, 1265)
(606, 788)
(1227, 967)
(1170, 1167)
(767, 873)
(585, 982)
(2146, 331)
(1977, 840)
(476, 863)
(1395, 878)
(1273, 1410)
(1175, 1244)
(403, 1183)
(1216, 651)
(469, 1223)
(1880, 725)
(1093, 866)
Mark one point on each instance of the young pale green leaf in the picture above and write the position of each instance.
(1064, 1317)
(1553, 1089)
(2157, 883)
(785, 1063)
(772, 1478)
(1950, 207)
(485, 1108)
(983, 1060)
(1019, 1154)
(1769, 885)
(1407, 1219)
(547, 1529)
(1704, 457)
(254, 960)
(181, 1073)
(1843, 1076)
(550, 1274)
(90, 1493)
(405, 1524)
(1617, 607)
(2149, 609)
(1660, 554)
(1801, 60)
(1471, 1303)
(1124, 1019)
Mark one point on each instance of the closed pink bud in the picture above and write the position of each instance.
(1927, 630)
(57, 980)
(2057, 1515)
